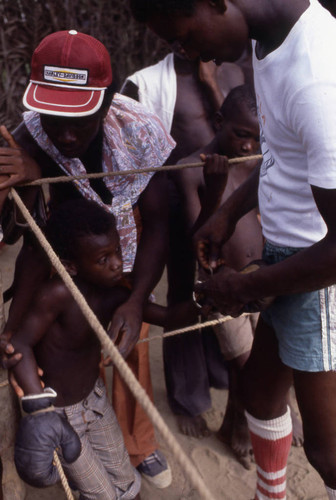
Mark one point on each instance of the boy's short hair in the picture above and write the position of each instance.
(238, 95)
(75, 219)
(143, 10)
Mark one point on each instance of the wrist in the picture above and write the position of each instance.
(32, 403)
(137, 299)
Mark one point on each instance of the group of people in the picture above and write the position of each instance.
(114, 235)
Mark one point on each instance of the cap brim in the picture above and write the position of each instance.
(62, 101)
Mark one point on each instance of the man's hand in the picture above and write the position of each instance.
(8, 356)
(209, 239)
(125, 327)
(16, 163)
(222, 291)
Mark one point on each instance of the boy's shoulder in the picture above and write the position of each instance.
(54, 293)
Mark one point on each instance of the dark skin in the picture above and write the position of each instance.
(208, 34)
(203, 191)
(201, 89)
(82, 137)
(56, 336)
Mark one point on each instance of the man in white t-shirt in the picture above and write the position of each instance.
(295, 82)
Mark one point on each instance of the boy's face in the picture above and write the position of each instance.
(99, 260)
(215, 31)
(239, 135)
(72, 136)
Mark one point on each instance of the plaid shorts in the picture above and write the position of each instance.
(103, 470)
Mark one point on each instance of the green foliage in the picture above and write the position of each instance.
(25, 22)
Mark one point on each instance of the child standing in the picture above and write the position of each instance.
(237, 136)
(55, 336)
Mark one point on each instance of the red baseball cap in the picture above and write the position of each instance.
(69, 74)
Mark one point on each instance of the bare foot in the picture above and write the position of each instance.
(193, 426)
(240, 441)
(225, 432)
(234, 433)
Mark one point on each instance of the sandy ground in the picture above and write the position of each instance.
(224, 476)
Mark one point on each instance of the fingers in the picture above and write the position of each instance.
(126, 343)
(10, 362)
(11, 181)
(18, 391)
(115, 328)
(215, 164)
(208, 254)
(119, 333)
(107, 361)
(8, 137)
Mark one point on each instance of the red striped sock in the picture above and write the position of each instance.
(271, 442)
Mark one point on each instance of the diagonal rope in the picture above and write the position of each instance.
(107, 344)
(69, 178)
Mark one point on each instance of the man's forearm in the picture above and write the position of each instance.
(25, 372)
(244, 198)
(149, 264)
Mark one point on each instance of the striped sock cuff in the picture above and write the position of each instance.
(276, 428)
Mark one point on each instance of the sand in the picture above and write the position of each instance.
(225, 477)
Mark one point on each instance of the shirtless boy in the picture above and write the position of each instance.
(55, 336)
(295, 83)
(237, 136)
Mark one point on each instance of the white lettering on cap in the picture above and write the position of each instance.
(66, 75)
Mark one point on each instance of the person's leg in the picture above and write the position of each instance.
(185, 367)
(235, 339)
(103, 470)
(187, 382)
(137, 428)
(217, 367)
(265, 382)
(315, 394)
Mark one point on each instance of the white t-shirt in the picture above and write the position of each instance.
(296, 96)
(157, 89)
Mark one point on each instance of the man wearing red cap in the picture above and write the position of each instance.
(73, 128)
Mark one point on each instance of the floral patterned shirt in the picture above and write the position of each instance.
(133, 138)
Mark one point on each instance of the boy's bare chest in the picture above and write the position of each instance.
(72, 331)
(192, 123)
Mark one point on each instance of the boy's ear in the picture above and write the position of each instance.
(70, 267)
(218, 121)
(221, 5)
